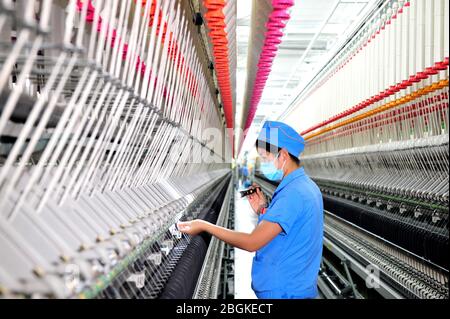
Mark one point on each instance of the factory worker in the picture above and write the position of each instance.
(288, 237)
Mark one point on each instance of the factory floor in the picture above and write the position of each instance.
(245, 221)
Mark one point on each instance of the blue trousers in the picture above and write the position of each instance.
(284, 295)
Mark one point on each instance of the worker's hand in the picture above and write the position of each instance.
(257, 200)
(192, 228)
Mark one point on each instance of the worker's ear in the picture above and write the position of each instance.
(283, 157)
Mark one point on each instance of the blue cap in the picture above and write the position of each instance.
(282, 136)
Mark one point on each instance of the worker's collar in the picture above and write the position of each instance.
(289, 178)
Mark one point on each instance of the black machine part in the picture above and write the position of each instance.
(249, 191)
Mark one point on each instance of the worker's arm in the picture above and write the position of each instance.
(261, 236)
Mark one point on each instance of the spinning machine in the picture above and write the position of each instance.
(104, 106)
(376, 124)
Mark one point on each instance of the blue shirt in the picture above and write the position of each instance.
(288, 266)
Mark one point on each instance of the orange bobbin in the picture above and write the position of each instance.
(215, 19)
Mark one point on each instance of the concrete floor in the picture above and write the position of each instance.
(245, 221)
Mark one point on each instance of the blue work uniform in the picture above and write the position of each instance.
(245, 171)
(288, 266)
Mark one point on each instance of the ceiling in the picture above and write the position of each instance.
(316, 30)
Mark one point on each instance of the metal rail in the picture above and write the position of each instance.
(209, 279)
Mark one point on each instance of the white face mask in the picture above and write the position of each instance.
(271, 172)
